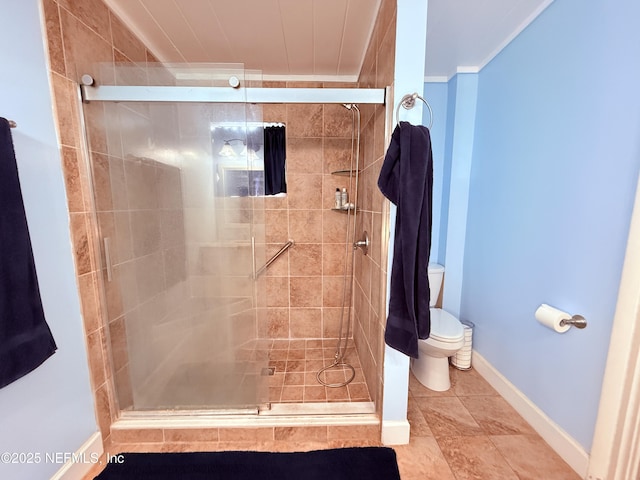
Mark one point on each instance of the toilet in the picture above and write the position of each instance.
(446, 338)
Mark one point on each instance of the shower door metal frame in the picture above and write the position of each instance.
(107, 93)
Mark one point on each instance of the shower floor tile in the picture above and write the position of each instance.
(295, 365)
(289, 368)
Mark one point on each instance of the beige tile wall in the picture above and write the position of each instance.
(304, 287)
(370, 270)
(80, 33)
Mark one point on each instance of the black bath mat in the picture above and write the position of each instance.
(372, 463)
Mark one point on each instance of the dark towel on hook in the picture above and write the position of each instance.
(406, 178)
(25, 339)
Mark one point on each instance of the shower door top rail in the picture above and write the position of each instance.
(111, 93)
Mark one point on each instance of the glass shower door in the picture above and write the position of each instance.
(181, 235)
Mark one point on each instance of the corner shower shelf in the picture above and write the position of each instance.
(345, 173)
(352, 207)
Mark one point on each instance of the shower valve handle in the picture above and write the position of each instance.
(363, 244)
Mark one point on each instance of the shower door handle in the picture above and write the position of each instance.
(253, 258)
(275, 256)
(107, 257)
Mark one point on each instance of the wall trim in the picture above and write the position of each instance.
(91, 450)
(437, 79)
(559, 440)
(395, 432)
(468, 69)
(310, 78)
(614, 453)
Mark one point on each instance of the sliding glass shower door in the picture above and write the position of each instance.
(181, 232)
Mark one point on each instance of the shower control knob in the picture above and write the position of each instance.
(363, 244)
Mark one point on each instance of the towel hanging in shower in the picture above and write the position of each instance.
(406, 178)
(25, 339)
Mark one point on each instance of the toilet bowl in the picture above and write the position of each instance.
(445, 339)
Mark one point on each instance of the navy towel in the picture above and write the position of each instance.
(406, 178)
(25, 338)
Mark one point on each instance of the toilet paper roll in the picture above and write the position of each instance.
(551, 317)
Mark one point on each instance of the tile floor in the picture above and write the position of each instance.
(466, 433)
(296, 363)
(471, 432)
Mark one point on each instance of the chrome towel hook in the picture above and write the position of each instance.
(409, 101)
(577, 321)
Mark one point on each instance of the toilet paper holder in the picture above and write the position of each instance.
(577, 321)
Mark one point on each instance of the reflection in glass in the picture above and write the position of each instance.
(250, 160)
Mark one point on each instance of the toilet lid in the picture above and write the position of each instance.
(445, 327)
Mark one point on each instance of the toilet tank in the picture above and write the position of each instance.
(436, 273)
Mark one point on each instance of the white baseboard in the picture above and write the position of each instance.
(395, 432)
(563, 444)
(83, 460)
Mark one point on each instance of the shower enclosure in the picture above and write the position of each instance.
(178, 189)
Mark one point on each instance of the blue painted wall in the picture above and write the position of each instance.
(50, 410)
(461, 116)
(436, 93)
(556, 158)
(411, 32)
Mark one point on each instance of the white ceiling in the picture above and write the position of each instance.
(464, 35)
(320, 39)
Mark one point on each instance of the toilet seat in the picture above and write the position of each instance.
(445, 327)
